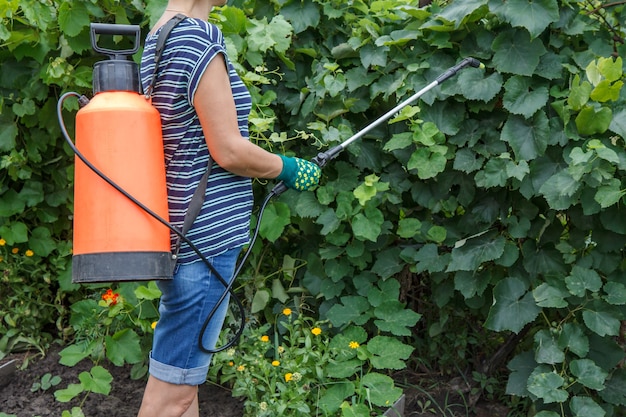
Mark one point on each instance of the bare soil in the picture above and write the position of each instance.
(18, 399)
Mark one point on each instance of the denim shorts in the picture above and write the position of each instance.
(186, 302)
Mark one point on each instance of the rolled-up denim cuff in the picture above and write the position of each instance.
(178, 376)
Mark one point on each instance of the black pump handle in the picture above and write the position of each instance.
(114, 29)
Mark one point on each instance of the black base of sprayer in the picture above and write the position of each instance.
(121, 267)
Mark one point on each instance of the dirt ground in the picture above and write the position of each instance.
(18, 399)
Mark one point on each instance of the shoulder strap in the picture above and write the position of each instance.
(160, 45)
(197, 199)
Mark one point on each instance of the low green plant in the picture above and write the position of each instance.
(114, 327)
(46, 382)
(27, 293)
(300, 366)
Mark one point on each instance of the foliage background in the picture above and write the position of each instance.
(493, 210)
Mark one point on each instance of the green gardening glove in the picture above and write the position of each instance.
(299, 174)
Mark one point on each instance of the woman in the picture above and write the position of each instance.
(204, 110)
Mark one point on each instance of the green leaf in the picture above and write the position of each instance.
(493, 174)
(301, 15)
(547, 385)
(388, 263)
(547, 349)
(513, 306)
(475, 86)
(352, 309)
(592, 122)
(581, 280)
(602, 320)
(459, 12)
(41, 241)
(573, 338)
(123, 347)
(388, 352)
(586, 407)
(8, 134)
(615, 293)
(428, 164)
(399, 141)
(69, 393)
(467, 161)
(73, 17)
(520, 98)
(588, 373)
(521, 367)
(548, 296)
(234, 20)
(534, 15)
(609, 194)
(260, 300)
(408, 228)
(615, 391)
(470, 254)
(516, 53)
(331, 398)
(394, 318)
(148, 292)
(528, 138)
(605, 91)
(560, 190)
(73, 354)
(372, 55)
(381, 389)
(98, 380)
(275, 218)
(579, 93)
(368, 226)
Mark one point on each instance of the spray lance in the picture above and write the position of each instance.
(323, 158)
(107, 200)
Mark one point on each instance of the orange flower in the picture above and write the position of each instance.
(265, 338)
(110, 297)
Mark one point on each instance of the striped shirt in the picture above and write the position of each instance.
(224, 220)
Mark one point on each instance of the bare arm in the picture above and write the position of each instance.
(215, 106)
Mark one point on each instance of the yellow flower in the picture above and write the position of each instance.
(231, 363)
(316, 331)
(354, 345)
(153, 325)
(15, 250)
(288, 376)
(275, 363)
(265, 338)
(3, 242)
(29, 253)
(241, 368)
(287, 312)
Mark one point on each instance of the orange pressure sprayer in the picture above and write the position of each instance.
(119, 133)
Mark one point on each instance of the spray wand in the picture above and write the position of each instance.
(323, 158)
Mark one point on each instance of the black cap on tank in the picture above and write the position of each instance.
(117, 73)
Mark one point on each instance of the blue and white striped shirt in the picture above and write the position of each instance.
(224, 221)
